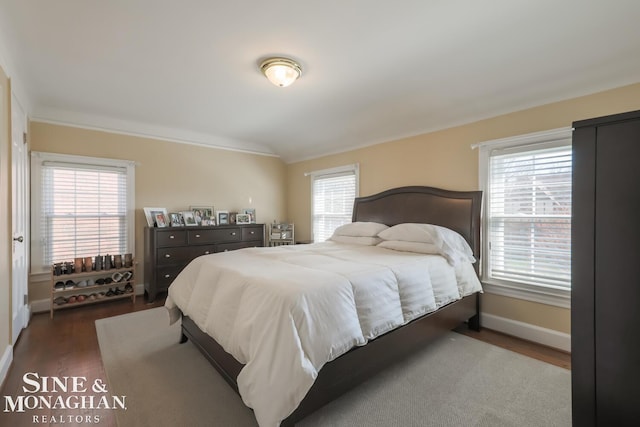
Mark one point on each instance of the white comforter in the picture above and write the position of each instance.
(286, 311)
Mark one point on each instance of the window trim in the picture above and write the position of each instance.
(339, 170)
(38, 269)
(546, 139)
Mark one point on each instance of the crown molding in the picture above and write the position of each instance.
(144, 130)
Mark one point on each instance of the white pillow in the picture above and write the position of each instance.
(449, 243)
(421, 248)
(455, 242)
(410, 232)
(360, 229)
(356, 240)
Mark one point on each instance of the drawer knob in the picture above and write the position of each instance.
(206, 252)
(167, 255)
(172, 237)
(166, 276)
(233, 233)
(253, 232)
(197, 235)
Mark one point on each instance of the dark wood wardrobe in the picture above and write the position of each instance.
(605, 289)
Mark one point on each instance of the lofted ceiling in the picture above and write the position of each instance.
(373, 70)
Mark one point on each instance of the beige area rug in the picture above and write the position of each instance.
(457, 381)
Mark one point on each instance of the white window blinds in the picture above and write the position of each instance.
(529, 215)
(333, 193)
(83, 209)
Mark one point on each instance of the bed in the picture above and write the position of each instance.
(457, 211)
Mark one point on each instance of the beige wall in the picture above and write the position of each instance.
(5, 215)
(445, 159)
(174, 176)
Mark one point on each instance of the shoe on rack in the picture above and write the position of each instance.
(128, 288)
(59, 286)
(60, 301)
(69, 284)
(110, 293)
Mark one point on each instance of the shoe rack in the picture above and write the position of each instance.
(70, 290)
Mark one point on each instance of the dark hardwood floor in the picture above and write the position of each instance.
(64, 346)
(68, 346)
(528, 348)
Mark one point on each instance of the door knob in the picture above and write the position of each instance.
(18, 239)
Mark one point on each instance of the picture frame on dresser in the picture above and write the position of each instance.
(202, 214)
(161, 220)
(222, 217)
(252, 214)
(176, 219)
(242, 218)
(150, 215)
(189, 218)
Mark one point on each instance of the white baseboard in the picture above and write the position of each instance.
(42, 305)
(527, 331)
(5, 363)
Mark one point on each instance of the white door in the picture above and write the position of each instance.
(19, 218)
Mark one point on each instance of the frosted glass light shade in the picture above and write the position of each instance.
(281, 71)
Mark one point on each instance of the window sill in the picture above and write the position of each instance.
(539, 294)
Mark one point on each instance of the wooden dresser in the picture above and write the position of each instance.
(168, 250)
(605, 268)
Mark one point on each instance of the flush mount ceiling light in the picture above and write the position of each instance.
(281, 71)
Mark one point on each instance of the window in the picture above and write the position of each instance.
(82, 207)
(527, 216)
(332, 194)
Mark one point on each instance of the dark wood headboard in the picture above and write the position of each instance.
(457, 210)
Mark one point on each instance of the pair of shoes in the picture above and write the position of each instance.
(60, 301)
(110, 293)
(128, 288)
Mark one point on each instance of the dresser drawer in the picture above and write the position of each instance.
(252, 233)
(196, 251)
(171, 238)
(166, 275)
(224, 247)
(230, 234)
(174, 255)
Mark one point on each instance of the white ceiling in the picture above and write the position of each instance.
(373, 70)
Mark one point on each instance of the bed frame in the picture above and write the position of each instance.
(459, 211)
